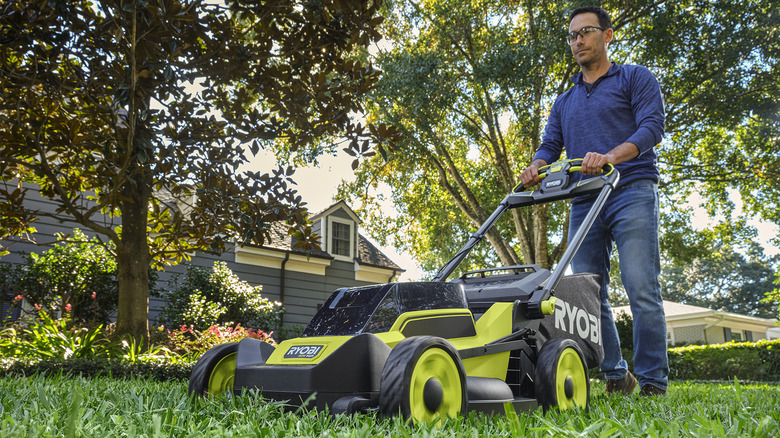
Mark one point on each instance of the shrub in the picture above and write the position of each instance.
(754, 361)
(189, 343)
(202, 298)
(289, 332)
(79, 273)
(160, 370)
(49, 339)
(46, 337)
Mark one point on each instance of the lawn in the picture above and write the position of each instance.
(61, 406)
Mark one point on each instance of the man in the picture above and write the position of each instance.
(614, 114)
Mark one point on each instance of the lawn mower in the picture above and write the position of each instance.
(429, 350)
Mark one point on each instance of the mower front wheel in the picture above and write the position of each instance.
(424, 380)
(561, 376)
(215, 371)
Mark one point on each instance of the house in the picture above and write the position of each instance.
(686, 324)
(303, 282)
(300, 281)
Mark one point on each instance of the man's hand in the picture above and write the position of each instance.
(593, 163)
(530, 176)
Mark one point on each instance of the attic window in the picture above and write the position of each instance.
(340, 239)
(340, 243)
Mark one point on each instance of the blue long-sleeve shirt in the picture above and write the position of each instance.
(624, 105)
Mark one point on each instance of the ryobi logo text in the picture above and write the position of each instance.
(576, 320)
(302, 351)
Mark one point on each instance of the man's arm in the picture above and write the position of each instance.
(648, 108)
(647, 104)
(593, 162)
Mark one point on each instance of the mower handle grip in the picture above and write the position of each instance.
(573, 165)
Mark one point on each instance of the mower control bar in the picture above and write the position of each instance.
(556, 184)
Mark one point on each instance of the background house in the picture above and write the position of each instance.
(300, 281)
(686, 324)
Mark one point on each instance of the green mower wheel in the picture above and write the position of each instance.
(424, 380)
(215, 371)
(561, 376)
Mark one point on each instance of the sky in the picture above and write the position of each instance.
(317, 186)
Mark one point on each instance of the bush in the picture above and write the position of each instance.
(157, 370)
(202, 298)
(289, 332)
(47, 337)
(750, 361)
(79, 274)
(61, 339)
(190, 344)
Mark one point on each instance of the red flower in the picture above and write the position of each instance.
(67, 307)
(18, 297)
(37, 307)
(93, 295)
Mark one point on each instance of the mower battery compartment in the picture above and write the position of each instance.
(485, 287)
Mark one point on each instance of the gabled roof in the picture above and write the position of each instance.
(368, 254)
(333, 207)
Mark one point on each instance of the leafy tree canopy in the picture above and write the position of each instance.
(726, 280)
(469, 85)
(144, 110)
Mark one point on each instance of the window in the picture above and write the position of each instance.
(340, 239)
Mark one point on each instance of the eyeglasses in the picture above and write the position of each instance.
(571, 37)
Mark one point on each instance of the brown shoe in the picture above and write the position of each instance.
(649, 390)
(623, 386)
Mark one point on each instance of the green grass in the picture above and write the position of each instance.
(61, 406)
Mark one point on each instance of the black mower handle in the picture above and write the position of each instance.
(567, 166)
(556, 185)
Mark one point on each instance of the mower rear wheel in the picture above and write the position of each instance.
(424, 380)
(215, 371)
(561, 376)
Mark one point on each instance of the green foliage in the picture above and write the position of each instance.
(469, 85)
(289, 331)
(148, 111)
(79, 273)
(752, 361)
(773, 297)
(49, 338)
(201, 298)
(59, 340)
(188, 344)
(625, 327)
(161, 370)
(723, 279)
(464, 82)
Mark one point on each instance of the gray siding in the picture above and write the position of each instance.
(303, 294)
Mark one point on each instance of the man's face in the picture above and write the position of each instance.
(592, 47)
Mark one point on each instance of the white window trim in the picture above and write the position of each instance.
(329, 238)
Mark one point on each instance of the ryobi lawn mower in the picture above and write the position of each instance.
(429, 350)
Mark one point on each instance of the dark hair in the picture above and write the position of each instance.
(604, 19)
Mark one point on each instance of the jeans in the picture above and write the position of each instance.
(628, 220)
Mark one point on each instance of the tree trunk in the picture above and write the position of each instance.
(133, 269)
(541, 254)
